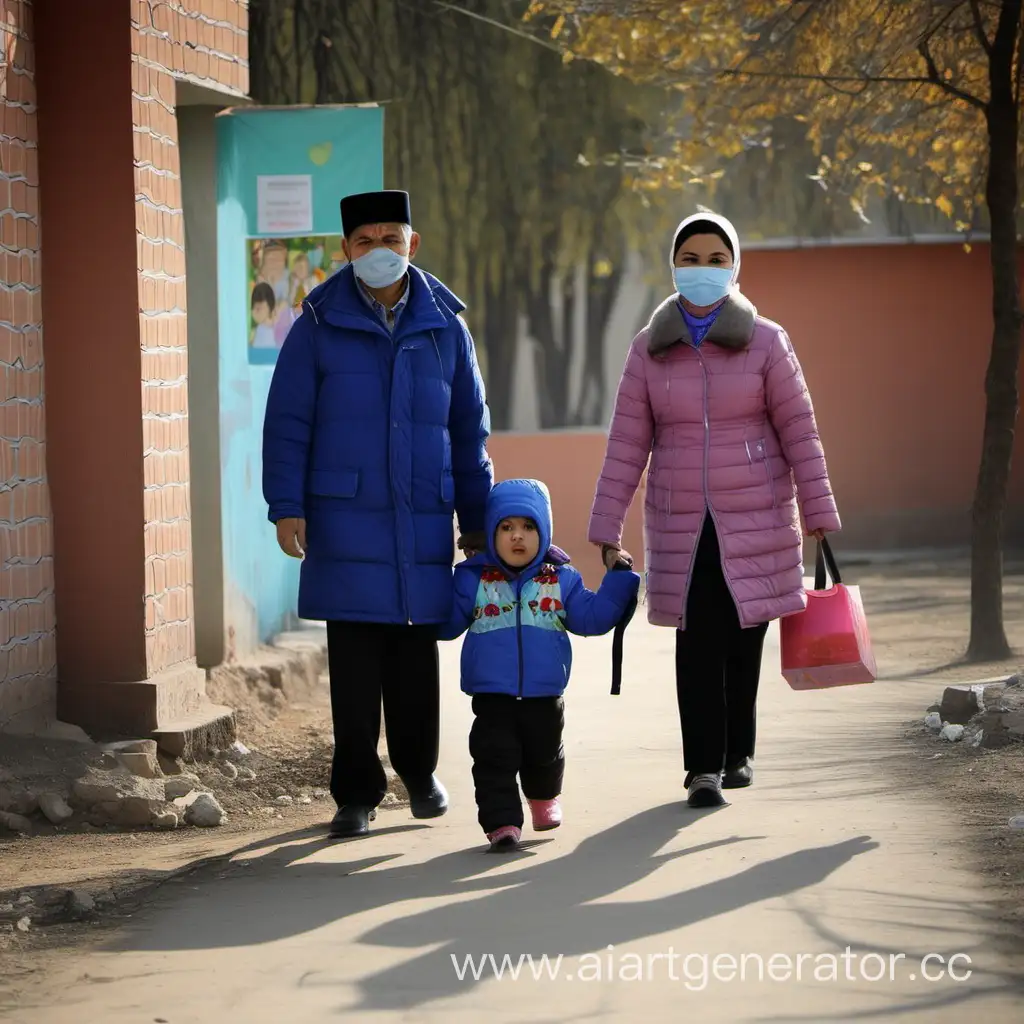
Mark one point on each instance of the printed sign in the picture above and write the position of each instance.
(284, 204)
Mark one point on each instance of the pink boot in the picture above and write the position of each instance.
(547, 814)
(505, 838)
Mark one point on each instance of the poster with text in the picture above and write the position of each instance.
(281, 273)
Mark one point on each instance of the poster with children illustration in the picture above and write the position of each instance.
(281, 273)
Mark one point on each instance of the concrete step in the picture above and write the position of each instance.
(209, 727)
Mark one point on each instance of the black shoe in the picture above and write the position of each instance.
(352, 820)
(738, 776)
(705, 790)
(431, 802)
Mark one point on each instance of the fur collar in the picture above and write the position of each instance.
(733, 329)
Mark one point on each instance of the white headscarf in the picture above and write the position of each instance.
(730, 233)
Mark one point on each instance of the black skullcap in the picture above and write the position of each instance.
(701, 227)
(388, 207)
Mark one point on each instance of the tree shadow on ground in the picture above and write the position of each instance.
(932, 995)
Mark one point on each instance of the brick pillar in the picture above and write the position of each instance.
(27, 652)
(117, 404)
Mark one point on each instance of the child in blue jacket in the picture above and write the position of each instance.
(519, 602)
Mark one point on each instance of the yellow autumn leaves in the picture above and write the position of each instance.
(886, 91)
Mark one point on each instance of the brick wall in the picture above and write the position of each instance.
(200, 42)
(27, 650)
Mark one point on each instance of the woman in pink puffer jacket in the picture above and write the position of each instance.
(713, 395)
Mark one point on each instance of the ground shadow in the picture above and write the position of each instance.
(304, 896)
(556, 908)
(924, 673)
(931, 996)
(571, 905)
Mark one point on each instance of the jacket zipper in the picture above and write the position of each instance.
(519, 632)
(699, 532)
(400, 548)
(707, 496)
(668, 396)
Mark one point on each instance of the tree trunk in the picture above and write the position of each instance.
(297, 48)
(988, 635)
(501, 340)
(601, 295)
(551, 353)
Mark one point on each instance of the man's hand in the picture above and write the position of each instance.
(471, 544)
(291, 536)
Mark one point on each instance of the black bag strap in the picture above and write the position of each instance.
(618, 637)
(617, 643)
(825, 558)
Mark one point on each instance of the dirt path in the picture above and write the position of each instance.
(859, 751)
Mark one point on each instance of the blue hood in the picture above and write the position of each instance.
(528, 498)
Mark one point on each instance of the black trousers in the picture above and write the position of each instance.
(371, 663)
(513, 737)
(718, 668)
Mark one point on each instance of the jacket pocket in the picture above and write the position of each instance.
(757, 452)
(447, 487)
(334, 483)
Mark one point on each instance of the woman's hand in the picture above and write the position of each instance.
(818, 535)
(612, 556)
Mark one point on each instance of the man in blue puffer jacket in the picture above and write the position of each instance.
(519, 601)
(375, 436)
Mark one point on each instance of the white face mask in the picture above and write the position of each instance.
(703, 286)
(380, 267)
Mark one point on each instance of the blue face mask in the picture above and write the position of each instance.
(703, 286)
(380, 267)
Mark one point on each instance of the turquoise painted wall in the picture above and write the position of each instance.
(342, 149)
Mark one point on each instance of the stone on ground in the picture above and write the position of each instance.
(952, 732)
(15, 823)
(119, 797)
(130, 812)
(96, 787)
(145, 766)
(180, 785)
(205, 811)
(933, 720)
(961, 703)
(80, 904)
(55, 808)
(18, 799)
(1002, 719)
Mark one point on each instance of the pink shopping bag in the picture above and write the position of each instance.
(828, 644)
